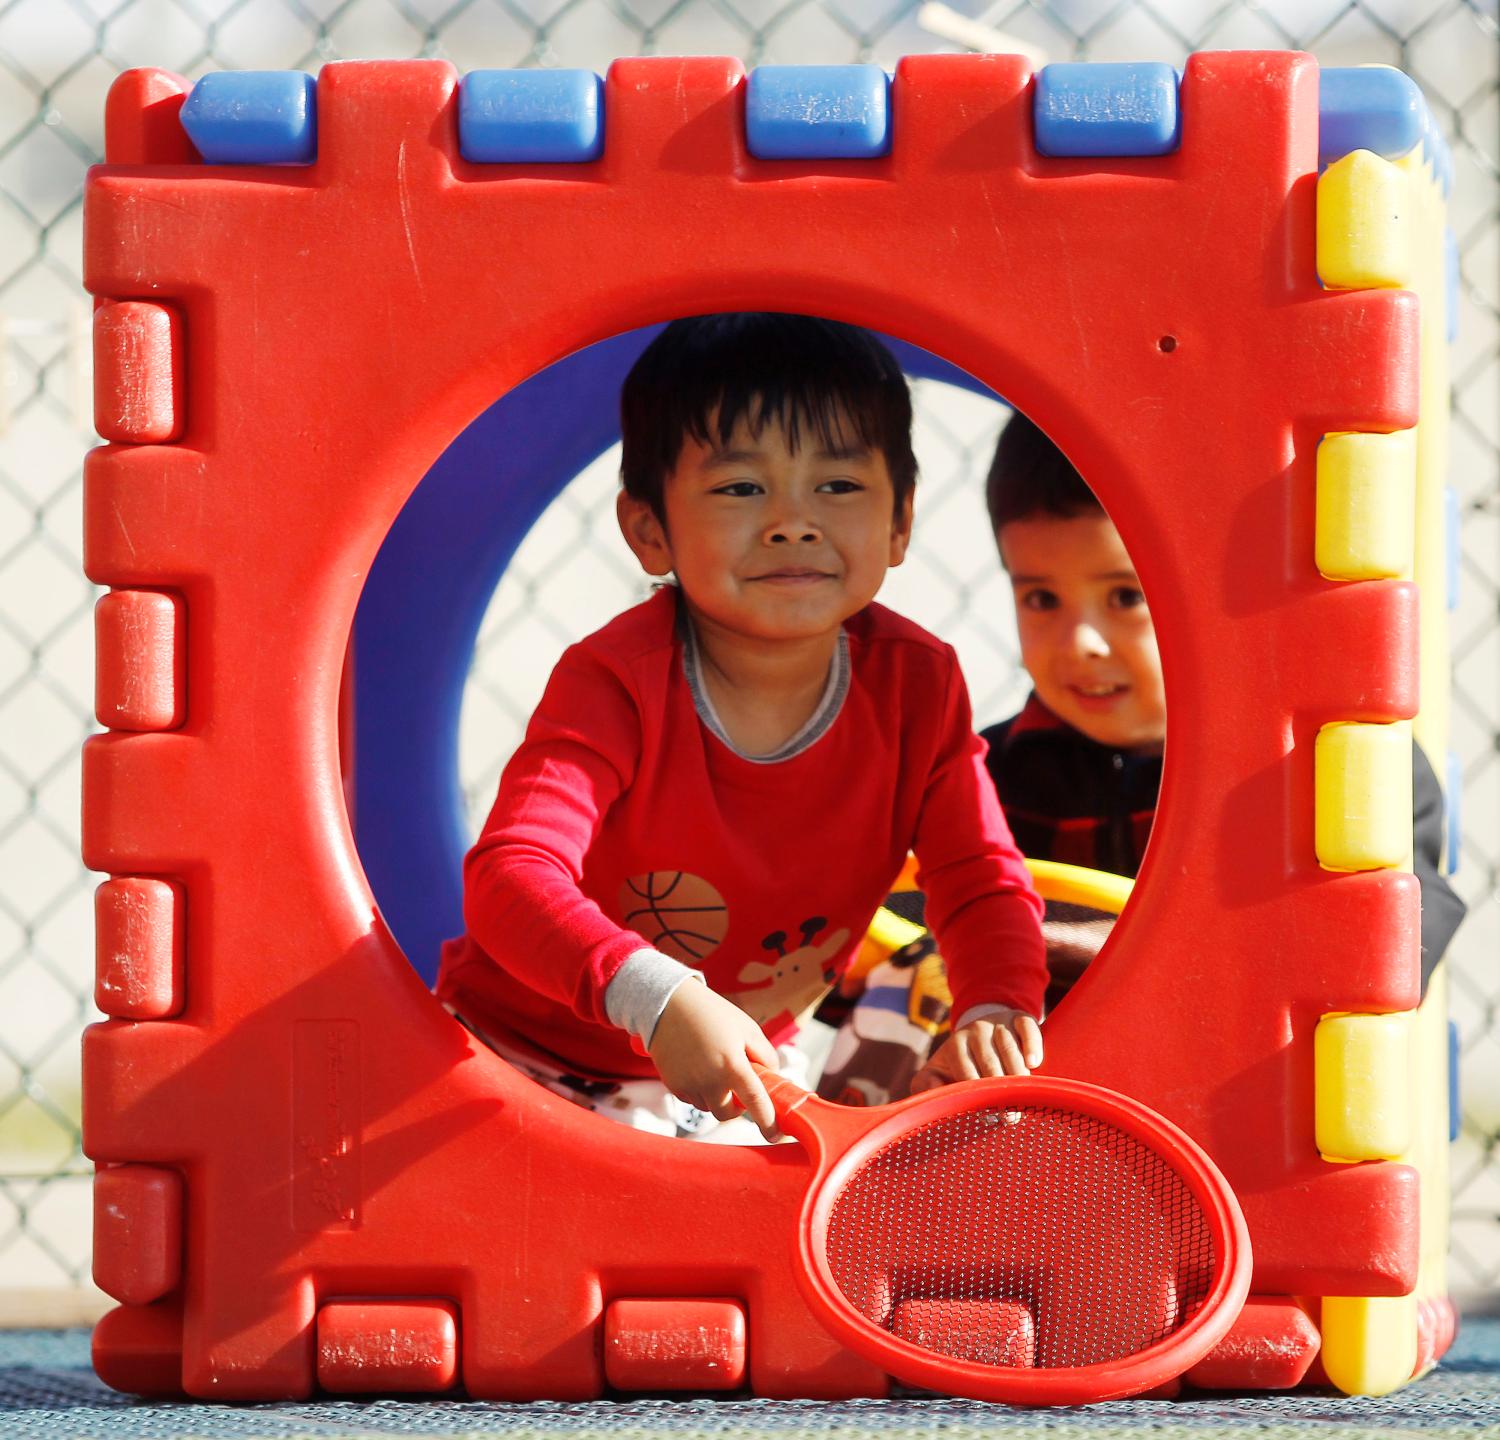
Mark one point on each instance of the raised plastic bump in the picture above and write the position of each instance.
(1270, 1347)
(138, 375)
(143, 119)
(1366, 505)
(1364, 224)
(674, 1344)
(369, 1346)
(1362, 811)
(538, 116)
(1368, 107)
(1362, 1086)
(1107, 110)
(140, 660)
(253, 117)
(138, 1348)
(1369, 1345)
(817, 112)
(138, 948)
(137, 1232)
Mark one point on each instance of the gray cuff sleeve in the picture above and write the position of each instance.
(638, 994)
(987, 1011)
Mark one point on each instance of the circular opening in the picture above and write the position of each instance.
(520, 513)
(1167, 344)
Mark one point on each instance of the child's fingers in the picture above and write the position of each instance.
(1005, 1050)
(751, 1094)
(1029, 1034)
(760, 1050)
(983, 1051)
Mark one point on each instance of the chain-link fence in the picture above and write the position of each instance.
(57, 59)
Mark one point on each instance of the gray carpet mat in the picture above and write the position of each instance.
(48, 1392)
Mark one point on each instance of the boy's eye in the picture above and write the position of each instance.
(1039, 600)
(841, 486)
(740, 489)
(1126, 597)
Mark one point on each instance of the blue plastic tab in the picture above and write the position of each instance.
(530, 116)
(818, 112)
(1453, 800)
(253, 117)
(1450, 283)
(1368, 107)
(1107, 110)
(1455, 1113)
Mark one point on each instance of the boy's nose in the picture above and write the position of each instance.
(785, 532)
(1089, 640)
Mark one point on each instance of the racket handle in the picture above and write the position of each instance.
(786, 1095)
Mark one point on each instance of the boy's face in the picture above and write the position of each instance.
(1086, 635)
(770, 542)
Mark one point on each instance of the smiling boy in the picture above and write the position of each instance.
(1079, 768)
(719, 786)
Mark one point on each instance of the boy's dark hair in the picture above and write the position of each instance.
(1030, 476)
(799, 371)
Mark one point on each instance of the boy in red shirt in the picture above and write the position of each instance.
(719, 786)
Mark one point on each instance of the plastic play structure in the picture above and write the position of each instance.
(309, 1175)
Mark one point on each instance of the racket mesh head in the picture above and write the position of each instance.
(1021, 1236)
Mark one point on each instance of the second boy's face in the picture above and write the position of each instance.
(772, 542)
(1086, 636)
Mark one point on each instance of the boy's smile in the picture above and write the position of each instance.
(1086, 635)
(772, 542)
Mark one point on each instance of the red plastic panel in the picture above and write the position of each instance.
(367, 1346)
(674, 1344)
(137, 372)
(140, 665)
(345, 1129)
(137, 1232)
(138, 948)
(1270, 1348)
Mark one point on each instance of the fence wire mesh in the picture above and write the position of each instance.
(57, 59)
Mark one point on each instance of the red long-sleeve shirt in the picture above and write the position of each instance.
(623, 823)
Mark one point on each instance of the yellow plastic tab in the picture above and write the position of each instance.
(1364, 224)
(1369, 1345)
(1362, 1086)
(1366, 510)
(1362, 807)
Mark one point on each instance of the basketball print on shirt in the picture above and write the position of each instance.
(681, 915)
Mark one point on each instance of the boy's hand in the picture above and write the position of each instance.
(703, 1048)
(1004, 1042)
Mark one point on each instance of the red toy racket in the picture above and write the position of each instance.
(1027, 1239)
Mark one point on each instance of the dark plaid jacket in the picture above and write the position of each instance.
(1067, 797)
(1070, 799)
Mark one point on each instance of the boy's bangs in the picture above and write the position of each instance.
(824, 415)
(823, 383)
